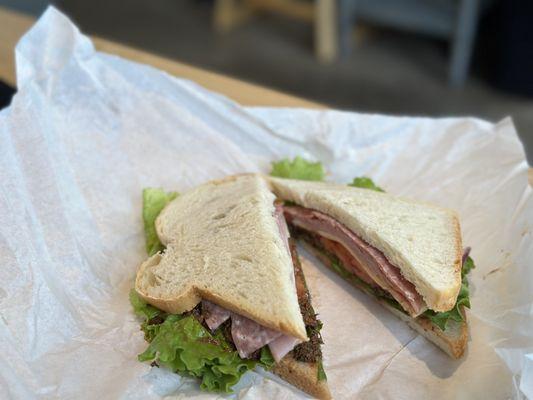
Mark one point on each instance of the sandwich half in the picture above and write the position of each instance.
(228, 293)
(406, 253)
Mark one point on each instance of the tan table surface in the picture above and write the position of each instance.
(14, 24)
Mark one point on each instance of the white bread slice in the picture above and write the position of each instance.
(452, 341)
(422, 240)
(303, 375)
(224, 245)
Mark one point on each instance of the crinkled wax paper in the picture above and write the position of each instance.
(87, 131)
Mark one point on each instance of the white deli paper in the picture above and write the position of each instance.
(87, 131)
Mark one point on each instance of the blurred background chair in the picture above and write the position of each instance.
(228, 14)
(453, 20)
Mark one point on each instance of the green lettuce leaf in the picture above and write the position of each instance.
(141, 308)
(184, 346)
(441, 319)
(467, 266)
(150, 330)
(154, 200)
(298, 168)
(365, 183)
(321, 374)
(149, 314)
(266, 359)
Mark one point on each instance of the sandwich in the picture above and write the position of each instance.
(407, 254)
(223, 290)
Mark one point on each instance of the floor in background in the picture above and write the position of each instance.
(388, 72)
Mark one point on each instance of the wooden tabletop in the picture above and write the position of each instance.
(13, 25)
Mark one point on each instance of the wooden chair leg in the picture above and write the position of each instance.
(326, 37)
(463, 41)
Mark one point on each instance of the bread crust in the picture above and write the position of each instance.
(453, 341)
(302, 375)
(446, 300)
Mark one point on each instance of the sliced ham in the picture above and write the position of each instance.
(248, 336)
(214, 315)
(367, 262)
(346, 259)
(282, 345)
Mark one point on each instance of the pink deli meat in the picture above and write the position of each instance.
(367, 262)
(282, 345)
(248, 336)
(214, 315)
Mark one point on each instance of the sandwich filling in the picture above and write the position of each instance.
(360, 258)
(248, 336)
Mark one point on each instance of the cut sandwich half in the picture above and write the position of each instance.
(228, 292)
(408, 254)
